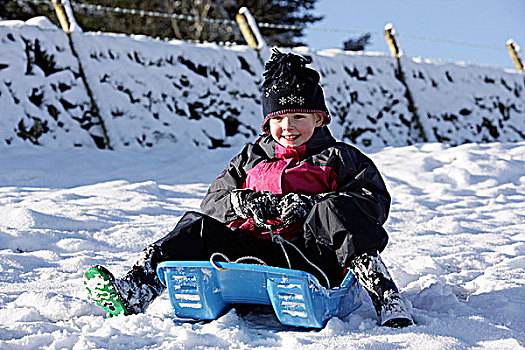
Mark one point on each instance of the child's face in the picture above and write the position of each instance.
(294, 129)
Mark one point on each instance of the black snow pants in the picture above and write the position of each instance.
(197, 236)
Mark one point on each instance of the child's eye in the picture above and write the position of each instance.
(277, 118)
(299, 116)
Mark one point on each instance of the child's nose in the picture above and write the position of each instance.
(288, 123)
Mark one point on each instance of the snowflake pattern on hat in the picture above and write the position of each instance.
(291, 99)
(291, 87)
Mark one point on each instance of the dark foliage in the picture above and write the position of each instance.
(21, 10)
(357, 44)
(289, 12)
(34, 132)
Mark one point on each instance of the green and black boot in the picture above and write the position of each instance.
(131, 294)
(102, 289)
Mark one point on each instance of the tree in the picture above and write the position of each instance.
(21, 10)
(288, 12)
(298, 12)
(357, 44)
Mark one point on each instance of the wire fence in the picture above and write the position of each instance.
(144, 13)
(233, 23)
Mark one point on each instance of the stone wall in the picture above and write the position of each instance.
(113, 91)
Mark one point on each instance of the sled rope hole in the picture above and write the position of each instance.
(244, 258)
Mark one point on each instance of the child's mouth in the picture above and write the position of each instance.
(290, 137)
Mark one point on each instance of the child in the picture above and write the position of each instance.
(324, 197)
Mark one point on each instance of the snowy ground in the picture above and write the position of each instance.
(457, 249)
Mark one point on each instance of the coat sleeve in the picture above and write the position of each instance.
(359, 178)
(217, 203)
(349, 220)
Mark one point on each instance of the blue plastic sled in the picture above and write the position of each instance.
(198, 290)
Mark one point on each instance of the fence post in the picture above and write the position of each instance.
(62, 16)
(69, 25)
(391, 40)
(249, 29)
(514, 52)
(397, 53)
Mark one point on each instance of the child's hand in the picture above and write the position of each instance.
(261, 206)
(293, 207)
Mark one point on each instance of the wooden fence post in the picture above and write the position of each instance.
(391, 40)
(62, 16)
(69, 25)
(514, 52)
(249, 29)
(397, 53)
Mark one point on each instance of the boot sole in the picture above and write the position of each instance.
(102, 291)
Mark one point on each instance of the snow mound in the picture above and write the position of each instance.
(23, 218)
(42, 22)
(456, 250)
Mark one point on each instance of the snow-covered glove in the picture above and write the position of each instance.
(261, 206)
(293, 207)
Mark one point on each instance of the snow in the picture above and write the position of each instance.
(41, 22)
(150, 93)
(456, 250)
(457, 224)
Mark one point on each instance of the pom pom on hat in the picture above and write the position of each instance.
(291, 87)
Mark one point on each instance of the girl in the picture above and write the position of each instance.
(324, 196)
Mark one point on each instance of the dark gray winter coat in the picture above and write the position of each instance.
(352, 202)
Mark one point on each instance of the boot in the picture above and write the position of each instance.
(103, 289)
(373, 275)
(134, 292)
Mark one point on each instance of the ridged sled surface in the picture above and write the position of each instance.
(198, 290)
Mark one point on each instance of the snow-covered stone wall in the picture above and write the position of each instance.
(113, 91)
(42, 97)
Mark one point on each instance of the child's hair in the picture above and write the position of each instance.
(319, 115)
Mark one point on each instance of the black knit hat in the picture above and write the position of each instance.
(291, 87)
